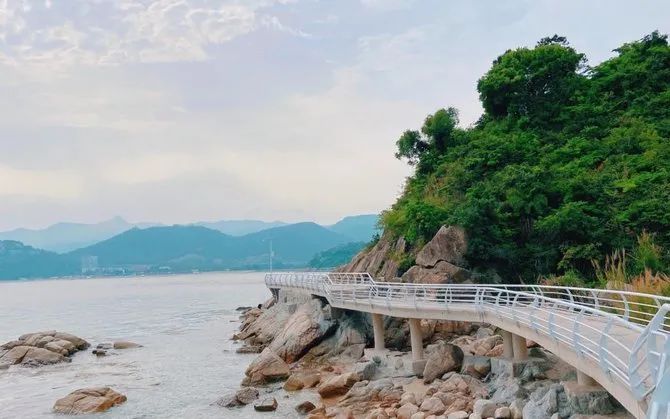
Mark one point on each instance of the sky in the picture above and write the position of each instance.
(176, 111)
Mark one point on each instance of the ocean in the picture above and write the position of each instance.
(184, 323)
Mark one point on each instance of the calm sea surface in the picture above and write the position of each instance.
(184, 322)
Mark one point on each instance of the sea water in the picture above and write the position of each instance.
(184, 323)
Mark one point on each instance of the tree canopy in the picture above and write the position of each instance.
(567, 163)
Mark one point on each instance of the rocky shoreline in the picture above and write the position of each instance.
(306, 345)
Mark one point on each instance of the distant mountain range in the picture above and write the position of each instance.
(65, 237)
(184, 248)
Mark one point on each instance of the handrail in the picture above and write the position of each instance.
(626, 333)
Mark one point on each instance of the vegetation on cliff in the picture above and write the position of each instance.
(569, 163)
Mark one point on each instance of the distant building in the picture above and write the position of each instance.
(89, 264)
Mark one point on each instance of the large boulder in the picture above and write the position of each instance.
(337, 385)
(442, 273)
(449, 245)
(305, 328)
(89, 400)
(260, 326)
(32, 356)
(379, 261)
(41, 348)
(442, 358)
(267, 368)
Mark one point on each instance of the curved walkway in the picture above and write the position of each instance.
(620, 339)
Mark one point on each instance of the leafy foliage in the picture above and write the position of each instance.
(567, 164)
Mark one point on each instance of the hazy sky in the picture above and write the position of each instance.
(184, 110)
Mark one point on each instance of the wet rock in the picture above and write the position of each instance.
(266, 405)
(122, 344)
(33, 357)
(99, 352)
(41, 348)
(267, 368)
(89, 400)
(442, 358)
(305, 407)
(337, 385)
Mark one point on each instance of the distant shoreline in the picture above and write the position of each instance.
(84, 277)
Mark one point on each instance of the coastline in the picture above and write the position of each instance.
(329, 360)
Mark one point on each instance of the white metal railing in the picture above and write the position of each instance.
(626, 333)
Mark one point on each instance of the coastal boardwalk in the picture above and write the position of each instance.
(618, 339)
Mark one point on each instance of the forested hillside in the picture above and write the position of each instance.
(569, 164)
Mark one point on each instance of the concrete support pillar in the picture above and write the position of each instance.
(520, 349)
(378, 328)
(508, 347)
(418, 361)
(585, 380)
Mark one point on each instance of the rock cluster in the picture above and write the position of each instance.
(89, 400)
(41, 348)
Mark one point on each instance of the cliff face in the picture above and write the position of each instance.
(441, 260)
(380, 261)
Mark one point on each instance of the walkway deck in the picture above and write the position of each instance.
(620, 339)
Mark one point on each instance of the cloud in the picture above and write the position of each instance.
(52, 184)
(128, 31)
(386, 5)
(179, 110)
